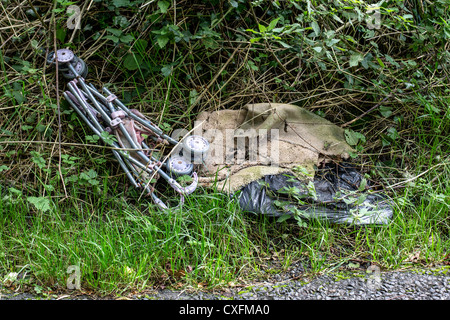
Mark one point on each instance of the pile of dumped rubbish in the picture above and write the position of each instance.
(276, 159)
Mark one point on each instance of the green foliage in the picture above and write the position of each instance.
(353, 138)
(40, 203)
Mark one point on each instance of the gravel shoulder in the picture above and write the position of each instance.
(429, 284)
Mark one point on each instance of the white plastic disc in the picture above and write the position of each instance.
(64, 55)
(195, 149)
(179, 166)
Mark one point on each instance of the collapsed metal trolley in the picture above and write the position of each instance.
(106, 113)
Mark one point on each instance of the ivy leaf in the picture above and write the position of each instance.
(355, 59)
(132, 61)
(115, 32)
(110, 37)
(41, 203)
(121, 3)
(166, 70)
(126, 38)
(386, 111)
(234, 3)
(163, 6)
(353, 137)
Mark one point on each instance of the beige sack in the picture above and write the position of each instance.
(265, 139)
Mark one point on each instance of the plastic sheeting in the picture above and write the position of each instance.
(339, 196)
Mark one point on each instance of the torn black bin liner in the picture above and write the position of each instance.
(331, 183)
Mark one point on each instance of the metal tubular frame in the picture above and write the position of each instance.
(104, 114)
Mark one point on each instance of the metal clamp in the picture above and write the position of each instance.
(111, 98)
(115, 122)
(118, 114)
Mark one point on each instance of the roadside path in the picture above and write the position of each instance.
(396, 285)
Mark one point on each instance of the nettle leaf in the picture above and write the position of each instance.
(19, 97)
(331, 42)
(15, 191)
(284, 44)
(162, 40)
(355, 59)
(284, 217)
(361, 199)
(141, 44)
(193, 94)
(94, 138)
(272, 24)
(107, 137)
(41, 203)
(3, 168)
(362, 185)
(61, 34)
(392, 61)
(261, 28)
(37, 159)
(315, 27)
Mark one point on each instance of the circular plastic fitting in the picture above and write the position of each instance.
(195, 149)
(65, 55)
(178, 166)
(80, 67)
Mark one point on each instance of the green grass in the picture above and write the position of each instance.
(117, 246)
(208, 243)
(121, 242)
